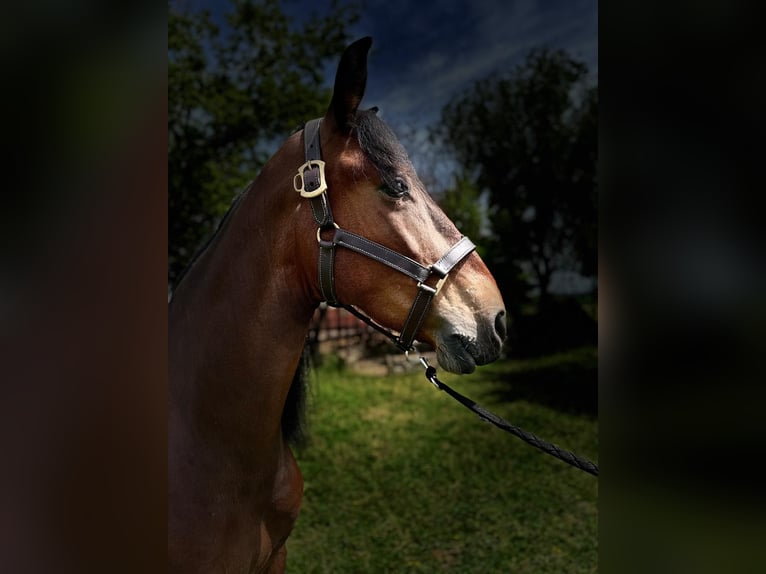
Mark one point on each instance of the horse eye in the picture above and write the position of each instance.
(398, 188)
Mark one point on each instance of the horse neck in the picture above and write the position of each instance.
(239, 319)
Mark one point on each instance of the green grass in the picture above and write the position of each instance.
(401, 478)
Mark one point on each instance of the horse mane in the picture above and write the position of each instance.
(294, 413)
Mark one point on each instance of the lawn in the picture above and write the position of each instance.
(401, 478)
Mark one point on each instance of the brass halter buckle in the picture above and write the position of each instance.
(299, 183)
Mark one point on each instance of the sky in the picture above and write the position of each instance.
(424, 53)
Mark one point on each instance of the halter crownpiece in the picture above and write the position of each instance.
(310, 182)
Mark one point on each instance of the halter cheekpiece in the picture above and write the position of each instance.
(311, 183)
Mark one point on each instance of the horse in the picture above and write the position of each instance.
(337, 214)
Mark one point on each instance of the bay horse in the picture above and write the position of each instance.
(337, 214)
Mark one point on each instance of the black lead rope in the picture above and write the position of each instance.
(528, 437)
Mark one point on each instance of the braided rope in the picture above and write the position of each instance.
(547, 447)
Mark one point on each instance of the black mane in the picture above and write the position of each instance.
(381, 145)
(294, 412)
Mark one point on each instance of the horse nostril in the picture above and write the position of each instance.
(500, 327)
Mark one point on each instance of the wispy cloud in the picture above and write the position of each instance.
(425, 53)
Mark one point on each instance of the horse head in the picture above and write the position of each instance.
(374, 193)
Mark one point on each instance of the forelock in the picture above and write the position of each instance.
(380, 144)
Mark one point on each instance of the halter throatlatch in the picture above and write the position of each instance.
(310, 182)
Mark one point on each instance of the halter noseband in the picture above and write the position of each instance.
(310, 182)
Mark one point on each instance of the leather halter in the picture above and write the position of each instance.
(310, 182)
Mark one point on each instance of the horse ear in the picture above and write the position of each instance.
(350, 81)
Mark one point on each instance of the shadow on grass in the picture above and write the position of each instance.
(566, 382)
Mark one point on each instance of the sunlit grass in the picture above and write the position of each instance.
(401, 478)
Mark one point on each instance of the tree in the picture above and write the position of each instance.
(530, 139)
(234, 91)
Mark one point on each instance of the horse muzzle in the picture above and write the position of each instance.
(461, 351)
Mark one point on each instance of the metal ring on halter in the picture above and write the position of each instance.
(407, 354)
(319, 231)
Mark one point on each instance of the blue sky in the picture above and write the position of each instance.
(426, 52)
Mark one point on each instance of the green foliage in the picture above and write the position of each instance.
(401, 478)
(234, 92)
(530, 138)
